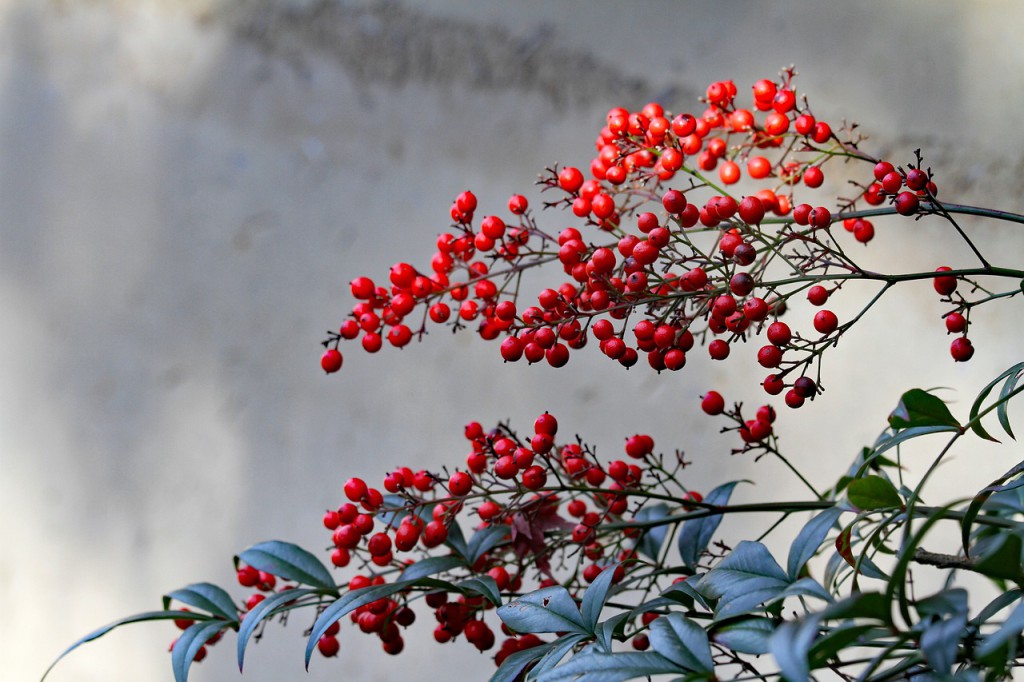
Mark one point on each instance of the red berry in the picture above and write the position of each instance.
(328, 645)
(713, 403)
(961, 349)
(944, 285)
(355, 489)
(907, 203)
(331, 360)
(825, 321)
(718, 349)
(751, 210)
(817, 295)
(570, 179)
(779, 333)
(460, 483)
(773, 384)
(814, 177)
(955, 323)
(769, 356)
(535, 478)
(517, 204)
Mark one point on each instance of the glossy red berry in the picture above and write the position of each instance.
(955, 323)
(331, 360)
(946, 284)
(817, 295)
(460, 484)
(961, 349)
(907, 203)
(718, 349)
(779, 333)
(712, 403)
(825, 321)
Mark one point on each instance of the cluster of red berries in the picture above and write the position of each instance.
(699, 264)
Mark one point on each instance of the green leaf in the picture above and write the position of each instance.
(940, 641)
(345, 604)
(748, 576)
(595, 597)
(483, 585)
(697, 533)
(205, 596)
(888, 441)
(1011, 376)
(809, 540)
(682, 641)
(188, 645)
(513, 665)
(651, 540)
(807, 587)
(1010, 629)
(873, 492)
(613, 628)
(871, 605)
(979, 500)
(551, 609)
(290, 562)
(595, 666)
(1004, 560)
(562, 646)
(684, 590)
(746, 635)
(457, 541)
(920, 408)
(946, 602)
(791, 644)
(137, 618)
(262, 610)
(484, 540)
(837, 639)
(430, 566)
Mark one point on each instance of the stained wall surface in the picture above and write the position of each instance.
(186, 187)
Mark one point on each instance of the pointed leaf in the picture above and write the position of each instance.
(748, 576)
(940, 641)
(790, 646)
(345, 604)
(920, 408)
(511, 668)
(595, 597)
(807, 587)
(888, 441)
(809, 540)
(871, 605)
(608, 630)
(746, 635)
(841, 637)
(261, 611)
(562, 646)
(1010, 629)
(1004, 559)
(594, 666)
(205, 596)
(1005, 394)
(979, 500)
(484, 585)
(682, 641)
(551, 609)
(873, 492)
(137, 618)
(484, 540)
(1011, 375)
(290, 562)
(188, 645)
(430, 566)
(651, 540)
(457, 541)
(696, 534)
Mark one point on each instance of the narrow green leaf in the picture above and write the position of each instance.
(809, 540)
(979, 500)
(791, 644)
(807, 587)
(1011, 374)
(651, 540)
(483, 585)
(995, 606)
(684, 590)
(871, 605)
(1004, 559)
(837, 639)
(430, 566)
(920, 408)
(748, 576)
(1004, 399)
(746, 635)
(682, 641)
(188, 645)
(551, 609)
(941, 640)
(562, 646)
(205, 596)
(261, 611)
(873, 492)
(484, 540)
(512, 666)
(946, 602)
(595, 666)
(1010, 629)
(290, 562)
(609, 630)
(137, 618)
(345, 604)
(696, 534)
(595, 597)
(889, 441)
(457, 541)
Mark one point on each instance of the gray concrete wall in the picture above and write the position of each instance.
(185, 188)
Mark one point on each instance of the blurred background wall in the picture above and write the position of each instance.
(187, 185)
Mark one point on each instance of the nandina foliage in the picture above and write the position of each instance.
(693, 237)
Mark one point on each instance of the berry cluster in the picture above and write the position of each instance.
(655, 269)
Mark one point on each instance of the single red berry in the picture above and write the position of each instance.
(570, 179)
(535, 477)
(825, 321)
(751, 210)
(331, 360)
(773, 384)
(794, 399)
(779, 333)
(769, 356)
(944, 285)
(955, 323)
(961, 349)
(814, 177)
(718, 349)
(674, 201)
(518, 204)
(460, 483)
(355, 489)
(328, 645)
(907, 203)
(712, 403)
(817, 295)
(805, 387)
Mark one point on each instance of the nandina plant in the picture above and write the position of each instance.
(691, 237)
